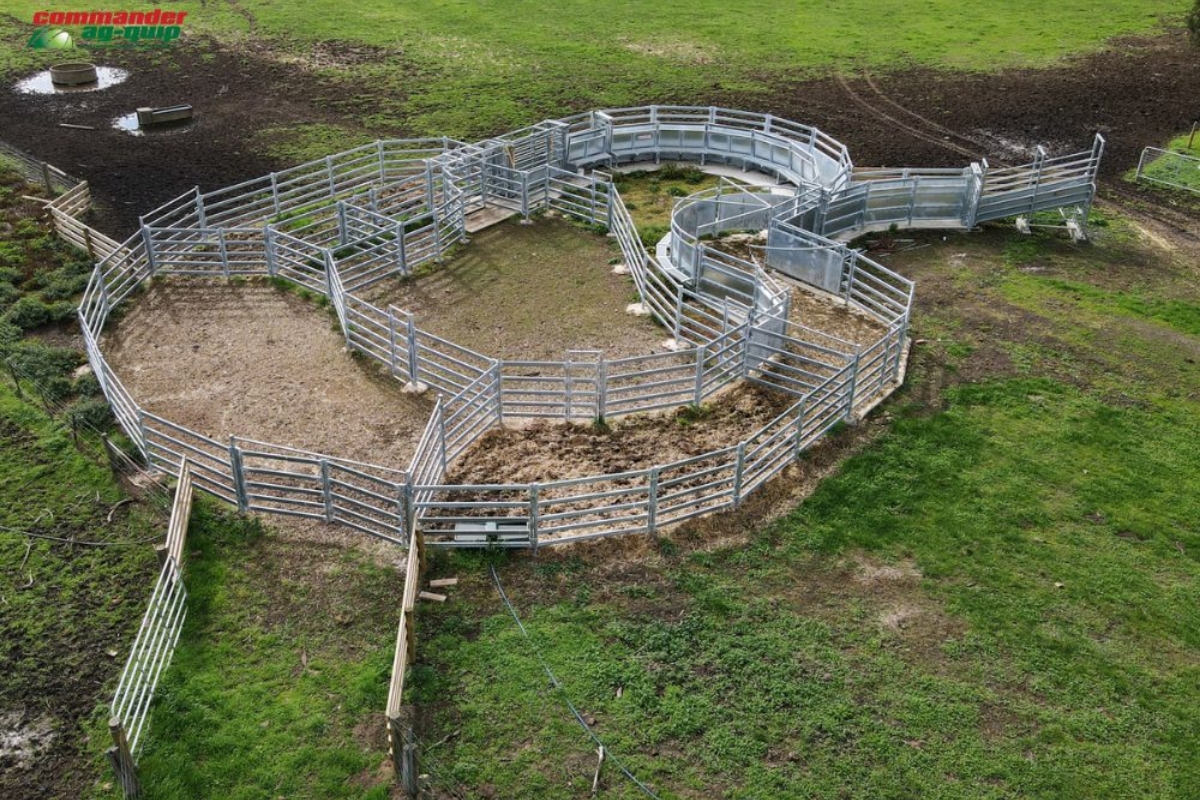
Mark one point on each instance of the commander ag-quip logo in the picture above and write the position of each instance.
(105, 28)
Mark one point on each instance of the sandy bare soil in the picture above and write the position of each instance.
(250, 360)
(528, 292)
(830, 315)
(544, 452)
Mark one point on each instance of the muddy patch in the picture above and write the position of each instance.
(23, 738)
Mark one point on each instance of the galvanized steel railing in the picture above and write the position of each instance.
(339, 224)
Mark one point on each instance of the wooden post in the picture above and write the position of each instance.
(87, 241)
(121, 758)
(46, 178)
(409, 774)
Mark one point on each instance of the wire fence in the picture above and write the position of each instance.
(36, 171)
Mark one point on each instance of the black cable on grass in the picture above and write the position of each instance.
(555, 683)
(82, 542)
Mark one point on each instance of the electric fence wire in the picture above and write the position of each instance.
(557, 685)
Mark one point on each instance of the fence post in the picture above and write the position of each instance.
(141, 421)
(701, 356)
(525, 196)
(852, 260)
(497, 391)
(50, 184)
(222, 251)
(409, 773)
(442, 438)
(601, 388)
(201, 217)
(269, 250)
(121, 759)
(391, 318)
(900, 347)
(652, 504)
(341, 215)
(800, 427)
(275, 194)
(533, 516)
(853, 382)
(326, 490)
(409, 500)
(568, 387)
(328, 258)
(737, 474)
(239, 475)
(148, 238)
(1037, 179)
(401, 248)
(1141, 162)
(329, 170)
(382, 167)
(412, 351)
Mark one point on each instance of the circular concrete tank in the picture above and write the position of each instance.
(73, 74)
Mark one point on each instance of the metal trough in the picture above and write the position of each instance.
(159, 116)
(73, 74)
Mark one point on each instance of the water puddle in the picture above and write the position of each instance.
(129, 124)
(41, 83)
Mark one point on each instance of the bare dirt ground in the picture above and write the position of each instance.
(545, 452)
(528, 292)
(830, 315)
(250, 360)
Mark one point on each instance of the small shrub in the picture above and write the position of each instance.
(61, 312)
(682, 172)
(92, 413)
(86, 385)
(9, 336)
(651, 234)
(8, 296)
(675, 191)
(47, 369)
(28, 312)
